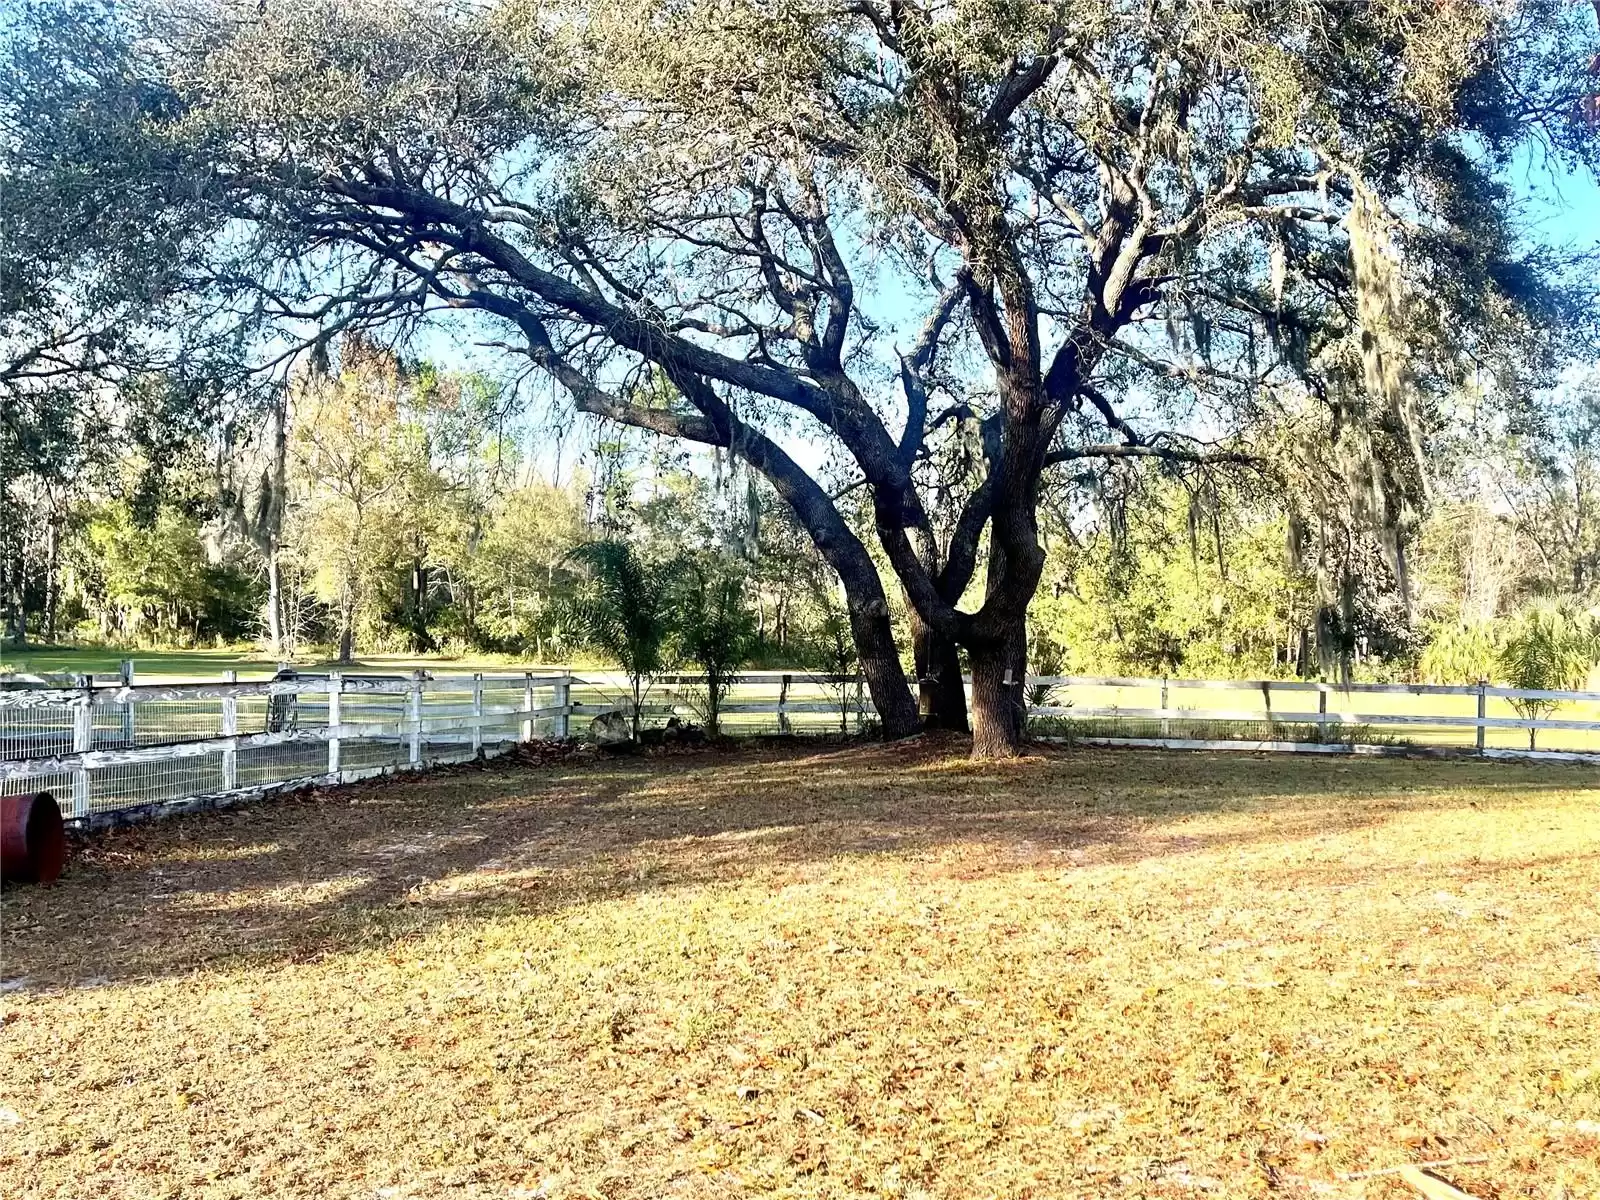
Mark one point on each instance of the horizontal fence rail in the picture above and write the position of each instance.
(1360, 718)
(111, 746)
(105, 748)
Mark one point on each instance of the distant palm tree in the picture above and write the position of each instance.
(624, 610)
(1552, 648)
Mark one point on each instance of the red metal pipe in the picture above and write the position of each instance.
(33, 845)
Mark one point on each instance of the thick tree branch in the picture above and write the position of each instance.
(914, 366)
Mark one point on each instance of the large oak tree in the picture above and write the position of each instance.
(959, 244)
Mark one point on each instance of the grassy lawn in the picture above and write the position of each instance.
(874, 971)
(102, 660)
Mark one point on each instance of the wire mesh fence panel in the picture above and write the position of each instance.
(114, 748)
(440, 749)
(501, 728)
(1311, 715)
(253, 714)
(128, 748)
(758, 703)
(136, 784)
(361, 754)
(266, 766)
(35, 732)
(156, 722)
(58, 785)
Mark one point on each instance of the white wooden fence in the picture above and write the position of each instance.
(1303, 716)
(109, 748)
(105, 749)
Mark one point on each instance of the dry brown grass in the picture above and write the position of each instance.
(873, 971)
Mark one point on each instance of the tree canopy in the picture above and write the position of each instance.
(975, 250)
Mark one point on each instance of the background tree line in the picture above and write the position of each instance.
(398, 516)
(381, 506)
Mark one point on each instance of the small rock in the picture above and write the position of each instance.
(611, 729)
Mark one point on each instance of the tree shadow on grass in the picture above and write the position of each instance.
(301, 877)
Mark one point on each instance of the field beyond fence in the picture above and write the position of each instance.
(107, 748)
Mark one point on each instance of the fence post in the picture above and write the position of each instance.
(126, 671)
(563, 701)
(82, 743)
(477, 713)
(783, 705)
(527, 707)
(861, 703)
(335, 719)
(1166, 724)
(414, 719)
(1483, 711)
(230, 729)
(1322, 713)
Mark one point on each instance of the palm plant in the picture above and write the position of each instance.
(1552, 648)
(624, 610)
(1461, 652)
(717, 631)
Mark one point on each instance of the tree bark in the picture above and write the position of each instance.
(422, 639)
(865, 600)
(941, 694)
(347, 634)
(999, 694)
(16, 601)
(52, 583)
(1000, 654)
(880, 661)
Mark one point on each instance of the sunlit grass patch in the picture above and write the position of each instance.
(878, 971)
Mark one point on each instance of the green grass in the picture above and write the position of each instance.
(147, 663)
(873, 972)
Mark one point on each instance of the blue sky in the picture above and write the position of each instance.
(1564, 207)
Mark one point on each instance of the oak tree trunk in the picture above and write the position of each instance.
(880, 663)
(999, 694)
(1000, 661)
(941, 694)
